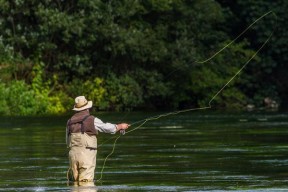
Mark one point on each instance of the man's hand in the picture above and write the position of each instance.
(122, 126)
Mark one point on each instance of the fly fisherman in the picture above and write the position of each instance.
(81, 138)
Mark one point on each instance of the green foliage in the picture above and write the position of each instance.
(20, 100)
(110, 94)
(3, 102)
(130, 54)
(123, 92)
(12, 65)
(154, 89)
(270, 73)
(50, 104)
(92, 89)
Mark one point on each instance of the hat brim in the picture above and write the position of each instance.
(87, 106)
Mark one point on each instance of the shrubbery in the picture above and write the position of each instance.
(44, 96)
(19, 98)
(144, 54)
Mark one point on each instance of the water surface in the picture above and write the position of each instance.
(187, 152)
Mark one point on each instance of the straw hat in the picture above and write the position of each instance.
(81, 103)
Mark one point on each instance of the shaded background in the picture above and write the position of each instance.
(140, 55)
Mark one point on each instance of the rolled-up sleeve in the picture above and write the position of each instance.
(104, 127)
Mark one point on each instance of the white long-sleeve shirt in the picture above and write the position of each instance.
(104, 127)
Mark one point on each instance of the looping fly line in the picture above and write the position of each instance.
(142, 122)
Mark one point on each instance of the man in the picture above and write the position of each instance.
(81, 138)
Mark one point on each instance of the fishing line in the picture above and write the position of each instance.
(142, 122)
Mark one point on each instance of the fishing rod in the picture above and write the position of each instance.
(209, 106)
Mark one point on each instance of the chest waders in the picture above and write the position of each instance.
(83, 150)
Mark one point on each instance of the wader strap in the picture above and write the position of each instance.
(82, 125)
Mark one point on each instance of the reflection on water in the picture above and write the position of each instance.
(187, 152)
(84, 187)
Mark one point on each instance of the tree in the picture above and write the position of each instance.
(154, 46)
(264, 79)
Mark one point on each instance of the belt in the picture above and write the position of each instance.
(91, 148)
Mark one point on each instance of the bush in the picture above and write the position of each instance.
(112, 93)
(91, 89)
(50, 104)
(3, 103)
(20, 98)
(123, 92)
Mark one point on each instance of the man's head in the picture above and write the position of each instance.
(81, 104)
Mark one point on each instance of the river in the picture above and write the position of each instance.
(203, 151)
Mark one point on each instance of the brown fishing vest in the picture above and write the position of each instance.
(82, 122)
(81, 131)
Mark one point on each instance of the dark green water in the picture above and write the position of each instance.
(187, 152)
